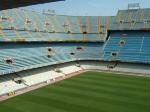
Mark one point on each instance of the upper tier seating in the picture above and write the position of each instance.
(132, 19)
(136, 47)
(23, 25)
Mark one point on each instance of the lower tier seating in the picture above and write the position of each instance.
(13, 82)
(21, 56)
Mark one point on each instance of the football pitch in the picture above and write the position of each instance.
(87, 92)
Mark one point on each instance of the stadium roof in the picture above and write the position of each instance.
(9, 4)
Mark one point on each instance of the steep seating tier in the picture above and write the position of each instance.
(131, 46)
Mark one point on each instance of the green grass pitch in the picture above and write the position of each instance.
(88, 92)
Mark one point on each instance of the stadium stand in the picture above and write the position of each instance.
(31, 55)
(39, 47)
(23, 25)
(69, 68)
(7, 84)
(131, 68)
(29, 78)
(135, 46)
(133, 19)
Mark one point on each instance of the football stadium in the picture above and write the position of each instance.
(64, 63)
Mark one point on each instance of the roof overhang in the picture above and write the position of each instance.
(9, 4)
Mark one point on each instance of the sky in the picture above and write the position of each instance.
(88, 7)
